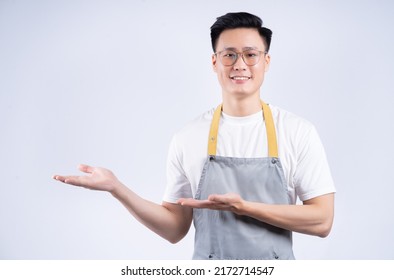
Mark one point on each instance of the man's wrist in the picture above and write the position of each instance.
(247, 208)
(116, 189)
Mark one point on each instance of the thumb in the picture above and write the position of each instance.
(85, 168)
(215, 197)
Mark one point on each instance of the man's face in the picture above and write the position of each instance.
(240, 80)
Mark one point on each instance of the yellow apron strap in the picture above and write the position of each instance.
(269, 124)
(213, 133)
(271, 132)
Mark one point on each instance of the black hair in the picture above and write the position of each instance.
(239, 20)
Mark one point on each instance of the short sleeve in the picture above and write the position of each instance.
(312, 176)
(178, 186)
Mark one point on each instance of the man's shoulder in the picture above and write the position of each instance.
(195, 127)
(289, 120)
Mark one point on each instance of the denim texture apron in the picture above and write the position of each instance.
(225, 235)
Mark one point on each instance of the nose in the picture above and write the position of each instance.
(239, 64)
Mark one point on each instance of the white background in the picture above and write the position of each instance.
(107, 83)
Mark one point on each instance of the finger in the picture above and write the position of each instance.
(74, 180)
(57, 177)
(85, 168)
(60, 178)
(70, 180)
(194, 203)
(185, 201)
(180, 201)
(217, 198)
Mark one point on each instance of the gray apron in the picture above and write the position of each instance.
(225, 235)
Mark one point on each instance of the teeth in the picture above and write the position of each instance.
(240, 78)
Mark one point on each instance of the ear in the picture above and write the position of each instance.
(267, 60)
(214, 61)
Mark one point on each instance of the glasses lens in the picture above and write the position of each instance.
(228, 58)
(251, 57)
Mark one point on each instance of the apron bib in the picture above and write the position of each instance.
(225, 235)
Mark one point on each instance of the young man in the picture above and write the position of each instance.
(236, 171)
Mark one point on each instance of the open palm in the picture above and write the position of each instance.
(97, 178)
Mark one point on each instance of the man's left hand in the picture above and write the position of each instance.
(225, 202)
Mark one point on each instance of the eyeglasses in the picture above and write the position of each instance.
(250, 57)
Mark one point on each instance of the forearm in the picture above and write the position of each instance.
(311, 218)
(170, 221)
(167, 222)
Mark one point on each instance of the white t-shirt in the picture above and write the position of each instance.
(300, 150)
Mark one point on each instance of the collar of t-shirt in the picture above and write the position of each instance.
(256, 117)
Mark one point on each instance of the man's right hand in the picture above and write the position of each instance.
(97, 178)
(169, 220)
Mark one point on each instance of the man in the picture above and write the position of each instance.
(241, 194)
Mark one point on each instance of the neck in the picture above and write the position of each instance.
(241, 107)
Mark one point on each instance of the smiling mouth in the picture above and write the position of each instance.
(240, 78)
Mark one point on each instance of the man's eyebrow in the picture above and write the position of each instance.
(249, 48)
(244, 48)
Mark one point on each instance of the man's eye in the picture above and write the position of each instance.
(251, 54)
(229, 55)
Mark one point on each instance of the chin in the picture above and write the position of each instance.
(243, 93)
(240, 95)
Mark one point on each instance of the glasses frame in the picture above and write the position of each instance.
(238, 54)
